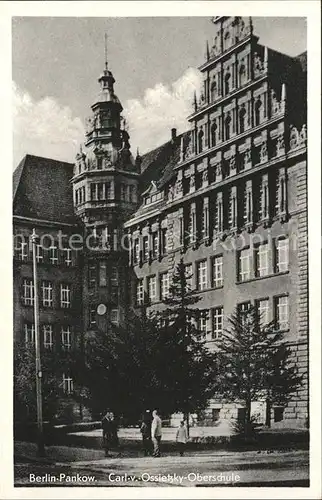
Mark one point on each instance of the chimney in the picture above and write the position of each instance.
(173, 134)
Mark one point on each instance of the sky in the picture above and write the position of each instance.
(56, 62)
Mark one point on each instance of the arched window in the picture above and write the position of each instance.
(213, 90)
(258, 105)
(227, 83)
(200, 141)
(242, 75)
(227, 40)
(242, 115)
(227, 126)
(213, 133)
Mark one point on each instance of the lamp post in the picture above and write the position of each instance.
(40, 440)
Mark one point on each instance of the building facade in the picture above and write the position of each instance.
(229, 197)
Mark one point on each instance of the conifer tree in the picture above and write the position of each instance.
(253, 363)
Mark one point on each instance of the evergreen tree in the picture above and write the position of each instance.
(189, 366)
(253, 363)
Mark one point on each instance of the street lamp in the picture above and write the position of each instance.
(40, 437)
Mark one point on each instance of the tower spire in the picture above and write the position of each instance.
(105, 47)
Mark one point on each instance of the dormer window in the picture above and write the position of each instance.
(227, 40)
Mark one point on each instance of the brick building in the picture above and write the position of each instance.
(229, 196)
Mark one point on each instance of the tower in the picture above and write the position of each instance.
(105, 184)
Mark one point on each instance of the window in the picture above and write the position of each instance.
(94, 192)
(217, 271)
(146, 248)
(248, 203)
(68, 385)
(219, 213)
(189, 276)
(66, 337)
(205, 220)
(281, 255)
(232, 208)
(263, 311)
(67, 252)
(192, 226)
(200, 140)
(152, 281)
(39, 254)
(227, 127)
(281, 312)
(21, 250)
(65, 296)
(262, 260)
(123, 191)
(114, 317)
(92, 275)
(92, 315)
(102, 273)
(164, 235)
(242, 310)
(136, 251)
(217, 322)
(264, 198)
(48, 336)
(139, 293)
(213, 133)
(258, 105)
(53, 255)
(164, 285)
(242, 75)
(227, 83)
(108, 190)
(242, 115)
(132, 193)
(155, 244)
(28, 292)
(47, 294)
(29, 334)
(244, 265)
(202, 323)
(114, 276)
(202, 275)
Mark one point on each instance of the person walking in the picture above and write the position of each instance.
(156, 432)
(181, 438)
(109, 432)
(145, 430)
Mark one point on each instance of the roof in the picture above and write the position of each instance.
(42, 189)
(158, 165)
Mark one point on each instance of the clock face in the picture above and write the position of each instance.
(101, 309)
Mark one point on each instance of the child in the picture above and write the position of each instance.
(181, 437)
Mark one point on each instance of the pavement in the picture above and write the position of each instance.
(66, 466)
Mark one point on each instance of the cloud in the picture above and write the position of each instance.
(44, 128)
(161, 108)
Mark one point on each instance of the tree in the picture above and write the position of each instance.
(188, 378)
(253, 362)
(53, 366)
(156, 361)
(118, 371)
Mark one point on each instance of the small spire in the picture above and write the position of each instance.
(195, 100)
(265, 58)
(137, 152)
(250, 25)
(106, 63)
(207, 51)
